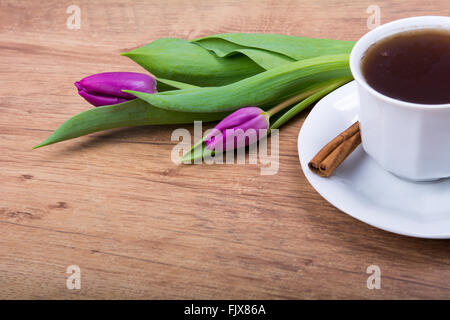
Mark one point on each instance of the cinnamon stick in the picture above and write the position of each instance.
(336, 151)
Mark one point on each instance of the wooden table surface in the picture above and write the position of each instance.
(139, 226)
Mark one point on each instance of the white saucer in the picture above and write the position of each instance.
(361, 188)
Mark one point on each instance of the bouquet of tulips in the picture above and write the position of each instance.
(249, 81)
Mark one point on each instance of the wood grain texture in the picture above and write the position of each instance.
(139, 226)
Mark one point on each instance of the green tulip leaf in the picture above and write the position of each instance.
(222, 59)
(264, 88)
(297, 48)
(128, 114)
(181, 60)
(266, 59)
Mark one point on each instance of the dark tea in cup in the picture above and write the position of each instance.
(412, 66)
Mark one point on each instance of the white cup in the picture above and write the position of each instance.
(408, 139)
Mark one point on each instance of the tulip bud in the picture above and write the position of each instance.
(241, 126)
(106, 88)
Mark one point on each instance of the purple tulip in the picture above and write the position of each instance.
(249, 120)
(104, 89)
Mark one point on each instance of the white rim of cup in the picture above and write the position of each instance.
(422, 22)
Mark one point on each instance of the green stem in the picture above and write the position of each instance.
(283, 105)
(324, 90)
(291, 101)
